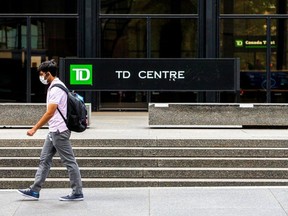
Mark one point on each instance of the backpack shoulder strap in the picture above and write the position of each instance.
(60, 86)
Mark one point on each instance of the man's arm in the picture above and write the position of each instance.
(44, 119)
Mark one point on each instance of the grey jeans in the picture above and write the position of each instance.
(58, 142)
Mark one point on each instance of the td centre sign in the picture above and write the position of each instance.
(102, 74)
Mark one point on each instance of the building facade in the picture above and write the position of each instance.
(254, 31)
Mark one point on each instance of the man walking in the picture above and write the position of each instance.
(57, 139)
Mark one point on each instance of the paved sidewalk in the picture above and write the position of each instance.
(198, 201)
(134, 125)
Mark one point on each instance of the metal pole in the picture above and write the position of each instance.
(268, 61)
(28, 61)
(211, 39)
(148, 51)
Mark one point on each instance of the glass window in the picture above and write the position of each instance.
(57, 36)
(12, 84)
(174, 38)
(13, 33)
(281, 62)
(149, 7)
(170, 38)
(39, 6)
(247, 39)
(124, 38)
(249, 6)
(50, 38)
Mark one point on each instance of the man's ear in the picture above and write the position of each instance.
(47, 74)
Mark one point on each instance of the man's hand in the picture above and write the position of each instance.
(44, 119)
(31, 132)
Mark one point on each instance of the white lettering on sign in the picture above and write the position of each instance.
(171, 75)
(258, 42)
(123, 74)
(253, 42)
(82, 74)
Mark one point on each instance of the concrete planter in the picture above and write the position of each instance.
(213, 114)
(24, 114)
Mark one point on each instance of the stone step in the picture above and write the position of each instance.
(153, 152)
(16, 183)
(153, 162)
(155, 173)
(123, 151)
(263, 143)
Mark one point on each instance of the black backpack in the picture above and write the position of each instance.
(76, 111)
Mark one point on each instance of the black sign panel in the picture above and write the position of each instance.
(151, 74)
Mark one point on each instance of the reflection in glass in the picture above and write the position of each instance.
(149, 7)
(50, 38)
(38, 6)
(249, 6)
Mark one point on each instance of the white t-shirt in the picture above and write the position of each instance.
(57, 96)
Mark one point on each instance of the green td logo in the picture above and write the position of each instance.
(81, 74)
(239, 43)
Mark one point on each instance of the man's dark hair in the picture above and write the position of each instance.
(50, 66)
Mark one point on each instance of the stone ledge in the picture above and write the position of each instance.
(25, 114)
(214, 114)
